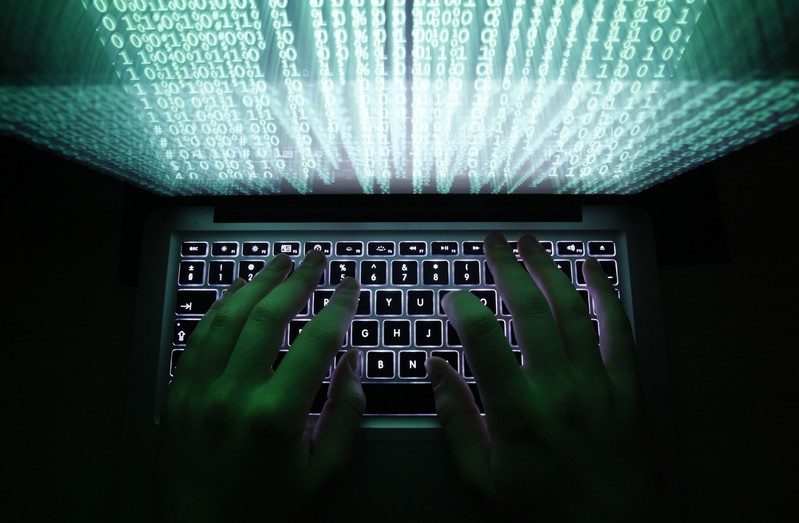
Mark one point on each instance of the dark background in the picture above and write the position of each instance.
(726, 238)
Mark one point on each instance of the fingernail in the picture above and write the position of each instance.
(314, 258)
(495, 239)
(434, 372)
(529, 243)
(280, 262)
(354, 362)
(237, 284)
(592, 264)
(349, 283)
(445, 302)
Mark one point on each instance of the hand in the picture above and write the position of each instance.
(233, 432)
(564, 436)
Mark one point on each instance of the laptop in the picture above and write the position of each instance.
(394, 136)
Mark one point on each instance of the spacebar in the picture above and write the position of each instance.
(399, 398)
(395, 398)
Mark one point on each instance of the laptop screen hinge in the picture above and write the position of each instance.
(399, 208)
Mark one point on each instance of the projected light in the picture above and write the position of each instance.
(379, 96)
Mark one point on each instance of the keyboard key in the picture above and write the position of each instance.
(609, 266)
(453, 339)
(565, 267)
(397, 333)
(365, 333)
(420, 303)
(444, 248)
(295, 328)
(467, 370)
(388, 303)
(182, 331)
(435, 272)
(441, 295)
(225, 249)
(349, 248)
(584, 295)
(380, 249)
(340, 270)
(547, 246)
(173, 362)
(191, 273)
(340, 354)
(473, 248)
(428, 333)
(248, 269)
(221, 272)
(194, 302)
(489, 276)
(413, 249)
(325, 247)
(399, 398)
(320, 299)
(279, 358)
(289, 248)
(572, 248)
(450, 356)
(379, 365)
(374, 272)
(405, 272)
(364, 304)
(466, 272)
(488, 298)
(607, 248)
(489, 279)
(198, 249)
(411, 364)
(256, 249)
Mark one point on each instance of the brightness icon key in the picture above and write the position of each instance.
(256, 249)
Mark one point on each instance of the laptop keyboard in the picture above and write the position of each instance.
(399, 322)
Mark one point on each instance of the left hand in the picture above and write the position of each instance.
(233, 432)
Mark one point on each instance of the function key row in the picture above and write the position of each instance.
(198, 249)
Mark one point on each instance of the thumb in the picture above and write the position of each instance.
(464, 428)
(337, 428)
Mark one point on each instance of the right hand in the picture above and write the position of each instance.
(564, 436)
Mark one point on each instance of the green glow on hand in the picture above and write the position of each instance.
(259, 97)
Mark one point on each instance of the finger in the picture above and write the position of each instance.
(464, 428)
(225, 322)
(616, 341)
(188, 362)
(568, 308)
(497, 372)
(337, 428)
(533, 323)
(304, 366)
(262, 334)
